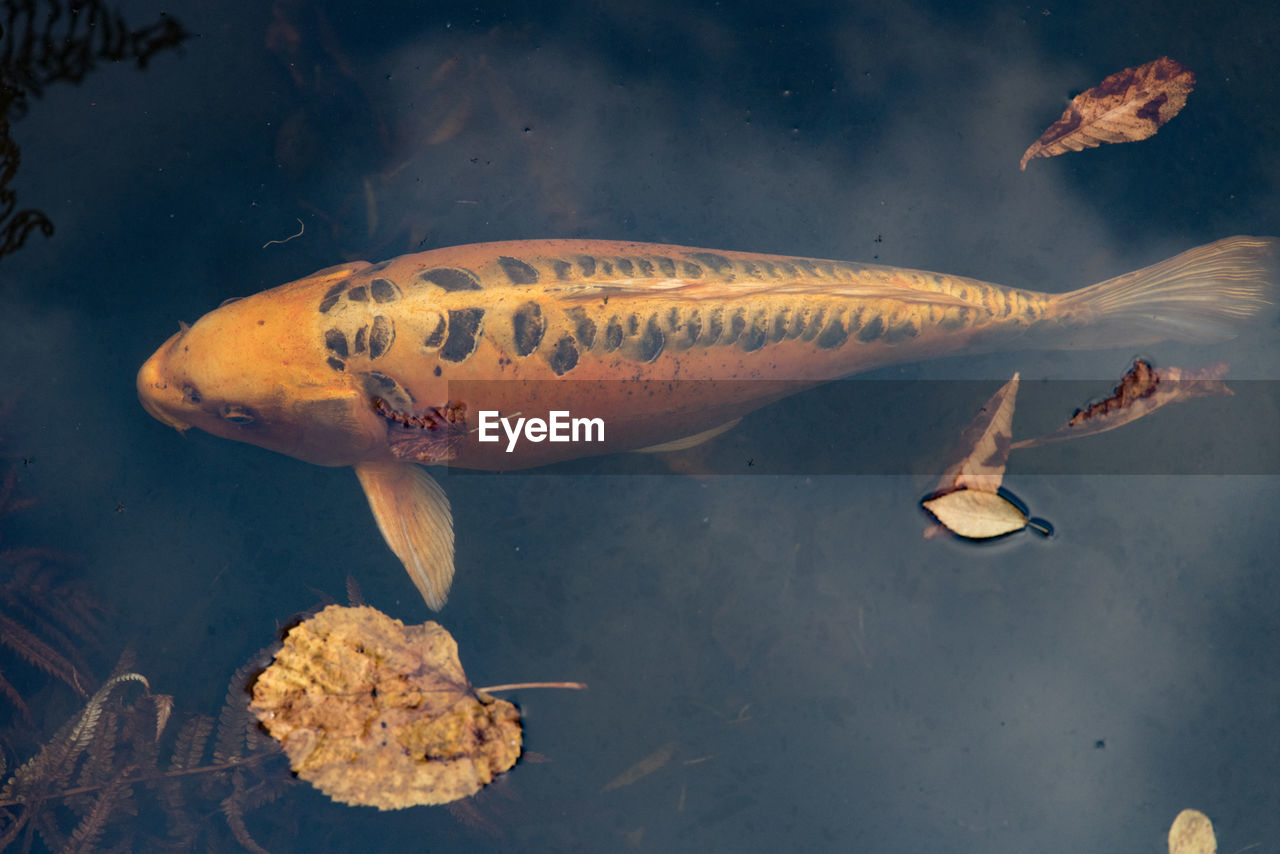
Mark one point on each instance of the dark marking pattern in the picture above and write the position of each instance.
(646, 267)
(584, 328)
(384, 290)
(737, 324)
(588, 265)
(435, 336)
(362, 340)
(336, 342)
(528, 326)
(633, 324)
(690, 270)
(613, 335)
(625, 267)
(693, 327)
(451, 278)
(381, 336)
(667, 266)
(814, 324)
(331, 297)
(715, 326)
(717, 263)
(901, 332)
(464, 324)
(834, 335)
(778, 330)
(562, 269)
(336, 364)
(872, 330)
(753, 337)
(564, 357)
(652, 341)
(518, 271)
(359, 293)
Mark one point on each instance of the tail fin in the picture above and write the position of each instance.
(1204, 294)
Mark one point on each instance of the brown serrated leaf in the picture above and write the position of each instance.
(1192, 833)
(984, 445)
(1142, 391)
(1125, 107)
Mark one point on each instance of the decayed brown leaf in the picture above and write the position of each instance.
(1125, 107)
(373, 712)
(1192, 833)
(1141, 391)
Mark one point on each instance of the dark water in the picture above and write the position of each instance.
(845, 683)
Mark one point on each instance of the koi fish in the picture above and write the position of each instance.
(384, 366)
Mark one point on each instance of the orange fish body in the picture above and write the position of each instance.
(383, 365)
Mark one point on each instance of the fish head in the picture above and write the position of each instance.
(247, 371)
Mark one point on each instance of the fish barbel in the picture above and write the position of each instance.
(383, 366)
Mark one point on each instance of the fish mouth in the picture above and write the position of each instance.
(155, 391)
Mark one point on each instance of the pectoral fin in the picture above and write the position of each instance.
(688, 442)
(413, 514)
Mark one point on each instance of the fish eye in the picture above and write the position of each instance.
(190, 394)
(237, 414)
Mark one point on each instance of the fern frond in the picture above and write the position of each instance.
(112, 798)
(21, 640)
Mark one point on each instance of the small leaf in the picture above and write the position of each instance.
(976, 514)
(1125, 107)
(1192, 833)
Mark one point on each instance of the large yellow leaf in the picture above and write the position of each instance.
(1192, 833)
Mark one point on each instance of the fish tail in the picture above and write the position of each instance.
(1205, 294)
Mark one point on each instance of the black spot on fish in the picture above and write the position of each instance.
(331, 297)
(613, 335)
(956, 318)
(689, 270)
(834, 335)
(518, 271)
(788, 270)
(815, 324)
(381, 336)
(336, 342)
(336, 364)
(528, 326)
(750, 270)
(646, 267)
(437, 371)
(652, 341)
(673, 318)
(362, 339)
(715, 326)
(633, 324)
(562, 269)
(798, 321)
(464, 324)
(753, 337)
(451, 278)
(378, 384)
(588, 265)
(435, 336)
(583, 327)
(806, 267)
(873, 329)
(606, 268)
(384, 290)
(770, 269)
(667, 266)
(901, 332)
(778, 330)
(625, 267)
(737, 323)
(358, 294)
(717, 263)
(564, 357)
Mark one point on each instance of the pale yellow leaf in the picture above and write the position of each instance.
(976, 514)
(985, 444)
(1192, 833)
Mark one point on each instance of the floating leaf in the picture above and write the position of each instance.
(976, 514)
(1125, 107)
(373, 712)
(1192, 833)
(1141, 391)
(985, 444)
